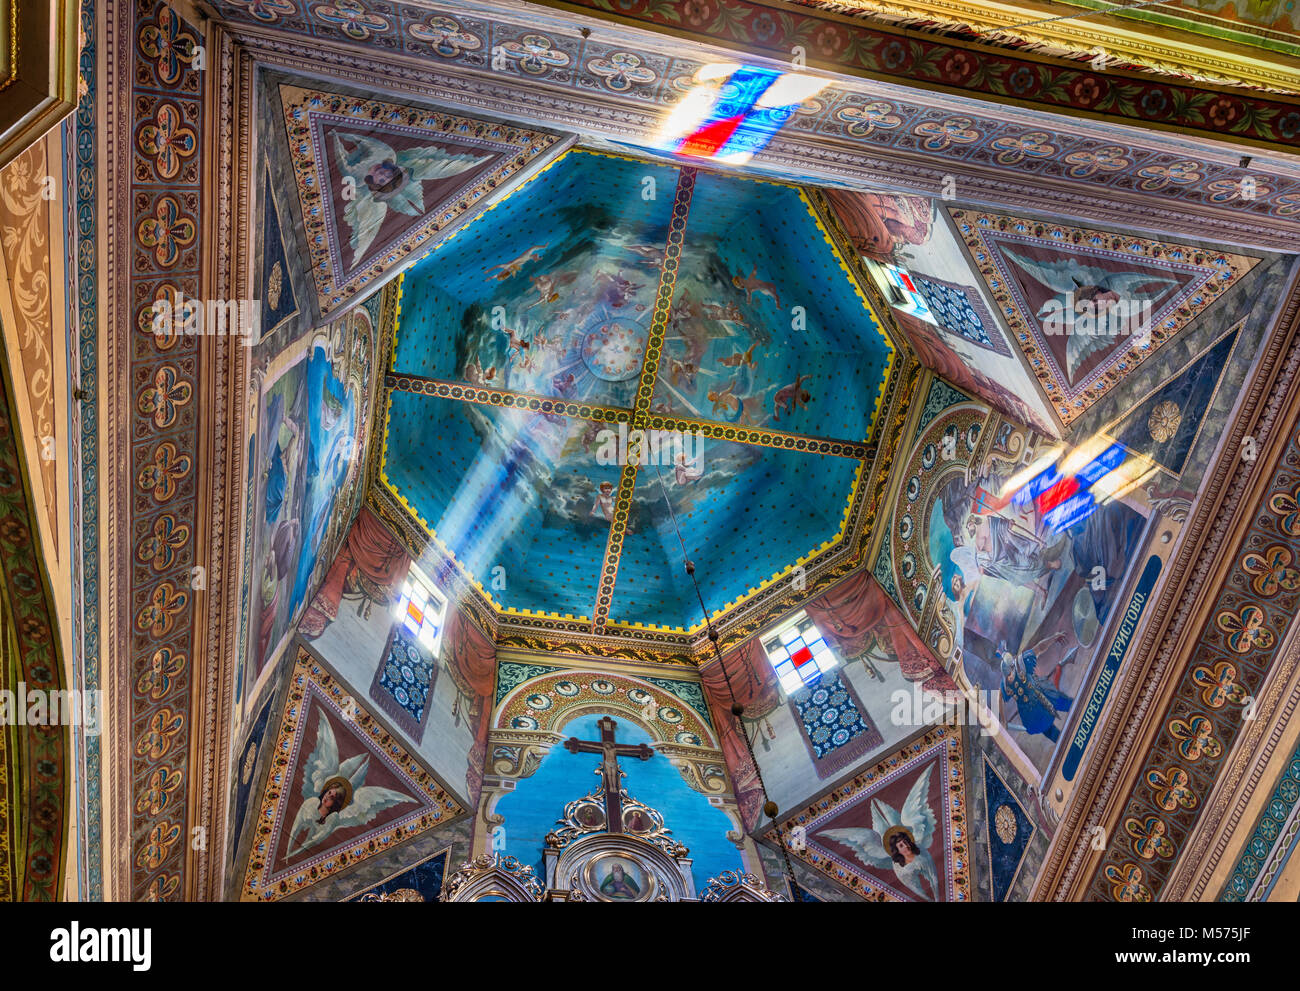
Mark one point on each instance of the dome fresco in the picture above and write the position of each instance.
(712, 312)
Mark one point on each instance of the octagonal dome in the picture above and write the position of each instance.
(623, 364)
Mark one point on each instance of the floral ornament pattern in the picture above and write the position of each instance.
(168, 140)
(158, 792)
(163, 887)
(534, 54)
(159, 548)
(1245, 629)
(1172, 788)
(621, 71)
(161, 474)
(161, 839)
(173, 296)
(1111, 158)
(943, 134)
(165, 397)
(446, 36)
(1126, 883)
(1149, 839)
(1176, 173)
(1272, 570)
(865, 119)
(159, 614)
(1218, 684)
(156, 680)
(1287, 506)
(268, 11)
(1195, 738)
(160, 735)
(352, 18)
(168, 45)
(1013, 150)
(1246, 188)
(167, 231)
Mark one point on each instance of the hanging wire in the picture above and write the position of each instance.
(737, 710)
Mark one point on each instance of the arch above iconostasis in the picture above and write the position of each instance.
(536, 701)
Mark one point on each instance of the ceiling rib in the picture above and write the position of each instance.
(645, 388)
(779, 440)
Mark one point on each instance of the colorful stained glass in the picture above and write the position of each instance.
(799, 655)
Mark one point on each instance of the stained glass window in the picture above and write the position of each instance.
(902, 290)
(421, 610)
(799, 653)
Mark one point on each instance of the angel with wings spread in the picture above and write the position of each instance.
(335, 793)
(384, 179)
(898, 839)
(1078, 286)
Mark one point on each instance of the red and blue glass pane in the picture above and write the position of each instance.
(800, 655)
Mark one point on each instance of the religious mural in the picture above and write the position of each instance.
(895, 832)
(826, 731)
(562, 735)
(340, 789)
(311, 418)
(961, 336)
(558, 292)
(1012, 580)
(380, 181)
(350, 624)
(1088, 307)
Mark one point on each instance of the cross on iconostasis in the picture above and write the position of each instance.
(609, 770)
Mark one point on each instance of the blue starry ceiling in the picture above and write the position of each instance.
(608, 293)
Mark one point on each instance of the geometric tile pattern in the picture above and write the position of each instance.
(163, 256)
(1272, 842)
(960, 310)
(403, 684)
(835, 729)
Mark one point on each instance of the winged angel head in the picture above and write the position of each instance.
(899, 840)
(335, 793)
(384, 179)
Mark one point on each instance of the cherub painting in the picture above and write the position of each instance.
(898, 840)
(378, 178)
(335, 793)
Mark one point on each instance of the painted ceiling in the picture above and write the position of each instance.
(605, 295)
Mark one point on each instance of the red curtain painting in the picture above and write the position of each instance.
(471, 660)
(857, 610)
(753, 682)
(850, 615)
(369, 551)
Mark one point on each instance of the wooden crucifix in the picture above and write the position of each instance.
(609, 770)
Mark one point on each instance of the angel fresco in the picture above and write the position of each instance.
(335, 793)
(384, 179)
(1108, 298)
(899, 839)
